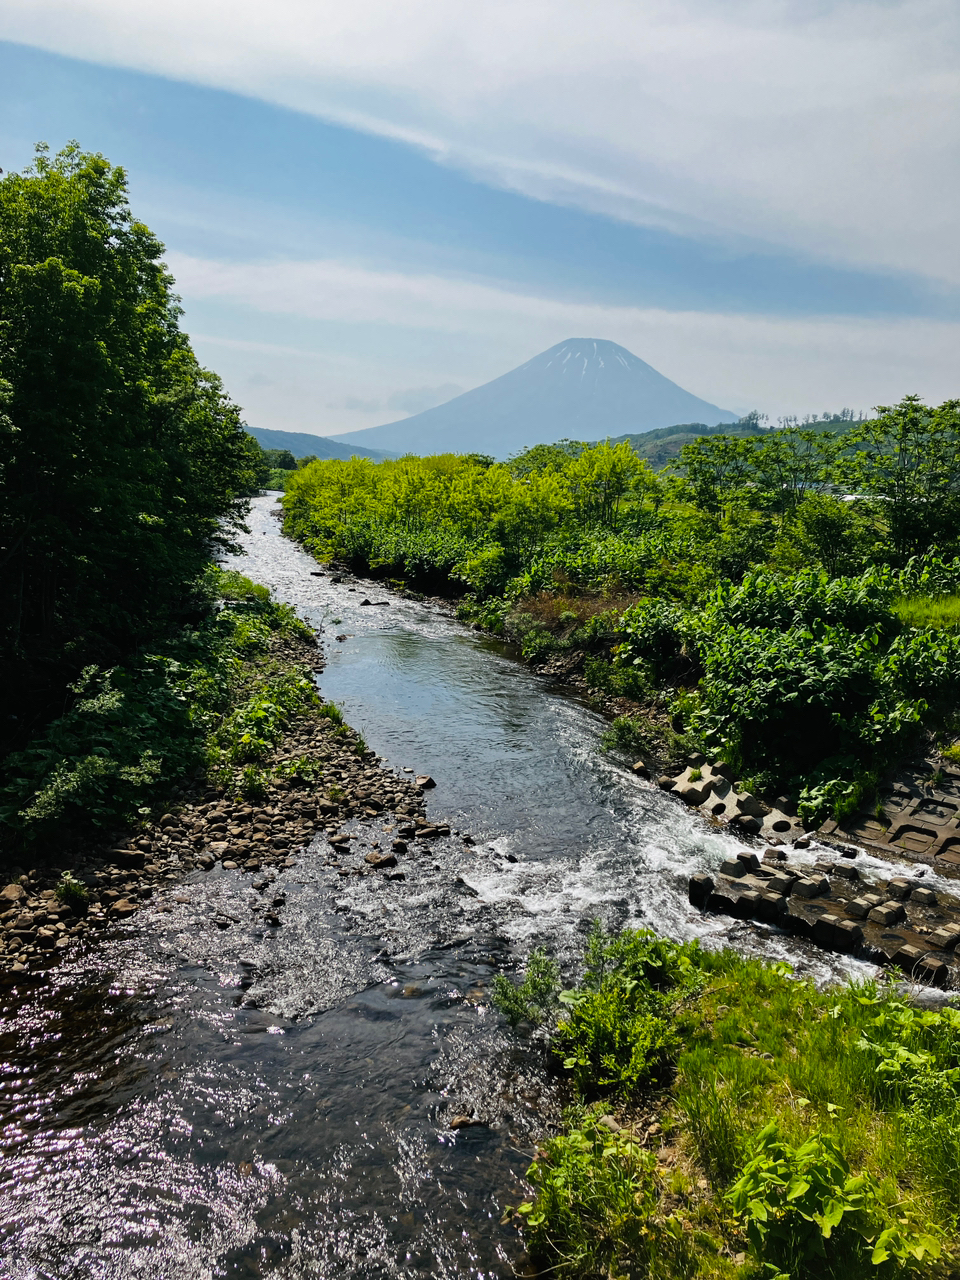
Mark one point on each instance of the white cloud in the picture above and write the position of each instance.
(831, 127)
(780, 365)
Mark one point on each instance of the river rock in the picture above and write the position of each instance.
(12, 893)
(380, 860)
(122, 908)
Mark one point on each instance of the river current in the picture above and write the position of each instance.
(184, 1101)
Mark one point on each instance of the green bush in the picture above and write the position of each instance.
(534, 998)
(807, 1217)
(596, 1195)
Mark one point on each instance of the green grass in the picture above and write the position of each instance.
(809, 1135)
(939, 612)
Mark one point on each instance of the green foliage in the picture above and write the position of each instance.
(617, 1033)
(122, 462)
(628, 733)
(71, 890)
(251, 731)
(596, 1194)
(533, 999)
(939, 612)
(823, 1125)
(807, 1216)
(135, 732)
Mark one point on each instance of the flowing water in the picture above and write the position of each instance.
(184, 1101)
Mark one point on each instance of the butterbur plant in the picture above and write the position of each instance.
(807, 1216)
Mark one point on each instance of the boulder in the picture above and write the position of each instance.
(380, 860)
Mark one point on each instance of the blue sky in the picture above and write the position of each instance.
(354, 240)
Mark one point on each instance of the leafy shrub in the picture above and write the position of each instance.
(618, 1038)
(794, 1199)
(596, 1195)
(629, 733)
(256, 726)
(533, 999)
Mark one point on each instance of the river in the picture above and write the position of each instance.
(166, 1115)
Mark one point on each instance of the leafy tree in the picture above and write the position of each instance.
(909, 457)
(280, 459)
(122, 460)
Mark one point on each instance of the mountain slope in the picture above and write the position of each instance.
(301, 445)
(583, 389)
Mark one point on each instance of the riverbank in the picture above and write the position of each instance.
(276, 774)
(734, 1121)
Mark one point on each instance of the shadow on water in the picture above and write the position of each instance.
(189, 1101)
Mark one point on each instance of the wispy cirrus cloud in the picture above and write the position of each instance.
(829, 128)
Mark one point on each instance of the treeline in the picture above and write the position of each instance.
(123, 468)
(784, 599)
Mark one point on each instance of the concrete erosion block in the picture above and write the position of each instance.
(887, 913)
(946, 938)
(747, 905)
(924, 897)
(860, 908)
(771, 908)
(810, 886)
(782, 882)
(846, 871)
(932, 971)
(749, 860)
(836, 934)
(899, 889)
(700, 889)
(733, 868)
(720, 904)
(907, 957)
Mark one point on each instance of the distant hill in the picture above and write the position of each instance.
(582, 389)
(302, 445)
(661, 447)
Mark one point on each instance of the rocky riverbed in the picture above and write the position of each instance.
(330, 779)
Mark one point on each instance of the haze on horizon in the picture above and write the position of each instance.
(370, 210)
